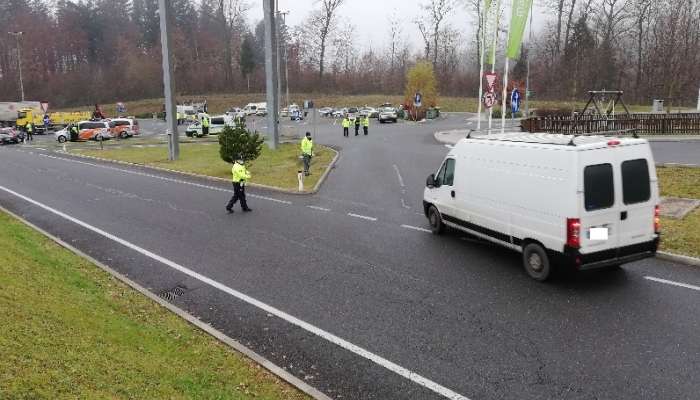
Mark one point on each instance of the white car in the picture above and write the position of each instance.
(325, 111)
(236, 112)
(561, 200)
(261, 111)
(216, 125)
(387, 114)
(369, 112)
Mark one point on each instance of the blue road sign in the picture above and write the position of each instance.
(515, 101)
(418, 99)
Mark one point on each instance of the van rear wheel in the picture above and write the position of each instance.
(435, 220)
(536, 262)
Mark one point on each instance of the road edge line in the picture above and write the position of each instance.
(679, 258)
(214, 178)
(215, 333)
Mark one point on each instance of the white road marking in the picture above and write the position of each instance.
(674, 283)
(416, 228)
(319, 208)
(399, 175)
(401, 371)
(362, 217)
(163, 178)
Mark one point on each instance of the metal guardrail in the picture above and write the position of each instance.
(642, 124)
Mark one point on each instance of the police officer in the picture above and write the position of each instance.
(365, 124)
(205, 125)
(346, 126)
(357, 125)
(307, 151)
(74, 132)
(30, 131)
(47, 122)
(240, 176)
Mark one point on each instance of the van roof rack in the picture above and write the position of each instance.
(550, 138)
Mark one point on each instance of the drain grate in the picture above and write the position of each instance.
(173, 293)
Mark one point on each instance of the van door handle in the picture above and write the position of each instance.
(452, 193)
(623, 215)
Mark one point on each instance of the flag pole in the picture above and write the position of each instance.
(482, 18)
(493, 52)
(505, 93)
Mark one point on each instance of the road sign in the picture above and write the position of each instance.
(514, 101)
(489, 99)
(418, 100)
(491, 82)
(44, 106)
(121, 108)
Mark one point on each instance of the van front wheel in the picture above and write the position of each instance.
(435, 221)
(536, 261)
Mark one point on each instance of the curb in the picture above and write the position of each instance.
(678, 258)
(220, 336)
(216, 179)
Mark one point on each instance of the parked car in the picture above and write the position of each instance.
(340, 113)
(10, 135)
(325, 111)
(369, 112)
(87, 130)
(352, 112)
(125, 127)
(262, 111)
(387, 114)
(560, 200)
(235, 112)
(216, 125)
(284, 112)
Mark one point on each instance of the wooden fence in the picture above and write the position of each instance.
(644, 124)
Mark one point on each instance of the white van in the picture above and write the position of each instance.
(216, 125)
(253, 108)
(583, 201)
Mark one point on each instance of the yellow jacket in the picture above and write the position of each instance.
(239, 172)
(307, 146)
(346, 123)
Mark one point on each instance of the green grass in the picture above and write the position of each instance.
(218, 103)
(70, 330)
(680, 236)
(273, 168)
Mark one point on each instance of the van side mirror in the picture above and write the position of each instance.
(430, 182)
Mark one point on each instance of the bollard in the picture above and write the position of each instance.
(300, 178)
(64, 147)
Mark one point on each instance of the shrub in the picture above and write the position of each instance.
(238, 142)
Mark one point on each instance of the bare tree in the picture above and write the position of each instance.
(395, 33)
(437, 10)
(324, 22)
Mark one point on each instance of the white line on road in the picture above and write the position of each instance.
(680, 284)
(410, 375)
(415, 228)
(362, 217)
(218, 189)
(399, 175)
(319, 208)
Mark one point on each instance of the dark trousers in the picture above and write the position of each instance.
(366, 129)
(345, 131)
(205, 130)
(307, 163)
(357, 130)
(238, 194)
(30, 136)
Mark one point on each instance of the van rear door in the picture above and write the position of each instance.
(638, 194)
(599, 213)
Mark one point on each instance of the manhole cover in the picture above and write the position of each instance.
(675, 207)
(173, 293)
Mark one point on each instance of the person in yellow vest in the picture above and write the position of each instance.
(30, 131)
(240, 176)
(346, 126)
(205, 125)
(307, 151)
(365, 124)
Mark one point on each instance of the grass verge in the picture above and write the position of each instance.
(680, 236)
(273, 168)
(70, 330)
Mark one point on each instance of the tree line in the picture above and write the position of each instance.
(95, 51)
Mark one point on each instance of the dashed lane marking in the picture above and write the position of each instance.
(401, 371)
(416, 228)
(218, 189)
(398, 174)
(362, 217)
(673, 283)
(318, 208)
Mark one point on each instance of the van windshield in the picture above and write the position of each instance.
(598, 187)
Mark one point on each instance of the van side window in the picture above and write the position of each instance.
(598, 187)
(635, 181)
(440, 176)
(449, 172)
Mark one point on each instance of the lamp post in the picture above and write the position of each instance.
(17, 35)
(284, 54)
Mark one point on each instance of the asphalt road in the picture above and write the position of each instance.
(347, 291)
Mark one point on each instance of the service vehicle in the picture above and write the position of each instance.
(252, 108)
(9, 110)
(325, 111)
(216, 125)
(9, 135)
(87, 130)
(369, 112)
(125, 127)
(56, 119)
(235, 112)
(387, 114)
(352, 112)
(560, 200)
(261, 111)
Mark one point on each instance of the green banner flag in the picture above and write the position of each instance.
(491, 30)
(518, 20)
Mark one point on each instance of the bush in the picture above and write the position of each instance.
(497, 113)
(238, 142)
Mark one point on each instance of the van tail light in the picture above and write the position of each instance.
(613, 143)
(573, 232)
(657, 220)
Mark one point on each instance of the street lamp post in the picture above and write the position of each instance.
(284, 54)
(17, 35)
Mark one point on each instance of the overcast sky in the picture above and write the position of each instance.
(370, 17)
